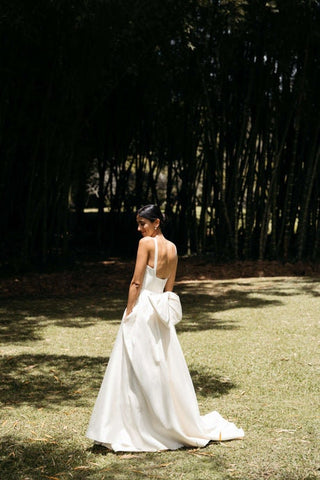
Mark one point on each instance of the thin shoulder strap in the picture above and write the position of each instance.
(155, 254)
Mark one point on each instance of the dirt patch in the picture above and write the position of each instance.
(114, 275)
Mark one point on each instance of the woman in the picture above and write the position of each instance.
(147, 400)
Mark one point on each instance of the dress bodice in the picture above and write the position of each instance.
(152, 405)
(151, 281)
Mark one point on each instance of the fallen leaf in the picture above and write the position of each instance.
(284, 430)
(128, 455)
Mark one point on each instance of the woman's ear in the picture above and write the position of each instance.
(156, 224)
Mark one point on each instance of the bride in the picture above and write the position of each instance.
(147, 400)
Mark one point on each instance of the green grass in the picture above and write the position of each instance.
(252, 346)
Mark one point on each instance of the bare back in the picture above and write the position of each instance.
(167, 257)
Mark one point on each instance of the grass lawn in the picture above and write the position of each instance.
(253, 349)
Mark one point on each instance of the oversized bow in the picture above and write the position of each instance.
(167, 307)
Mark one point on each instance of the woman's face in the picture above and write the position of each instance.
(146, 227)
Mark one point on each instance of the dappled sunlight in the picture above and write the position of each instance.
(202, 301)
(23, 320)
(50, 381)
(272, 285)
(16, 326)
(45, 458)
(283, 286)
(311, 288)
(204, 321)
(208, 384)
(60, 459)
(250, 347)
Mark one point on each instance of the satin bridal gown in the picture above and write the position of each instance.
(147, 400)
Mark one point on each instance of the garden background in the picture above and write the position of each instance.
(210, 109)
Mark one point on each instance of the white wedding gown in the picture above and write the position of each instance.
(147, 400)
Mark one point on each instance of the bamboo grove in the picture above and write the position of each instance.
(208, 108)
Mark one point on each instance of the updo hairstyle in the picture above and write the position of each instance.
(151, 212)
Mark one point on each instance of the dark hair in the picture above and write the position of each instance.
(151, 212)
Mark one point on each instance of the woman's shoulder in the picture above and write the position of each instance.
(171, 244)
(172, 247)
(146, 242)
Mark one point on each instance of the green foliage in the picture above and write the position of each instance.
(196, 105)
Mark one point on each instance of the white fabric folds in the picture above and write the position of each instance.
(147, 400)
(167, 307)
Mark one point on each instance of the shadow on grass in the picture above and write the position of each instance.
(49, 381)
(310, 289)
(17, 326)
(283, 287)
(41, 460)
(209, 385)
(202, 304)
(23, 320)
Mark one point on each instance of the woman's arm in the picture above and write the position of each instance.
(137, 279)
